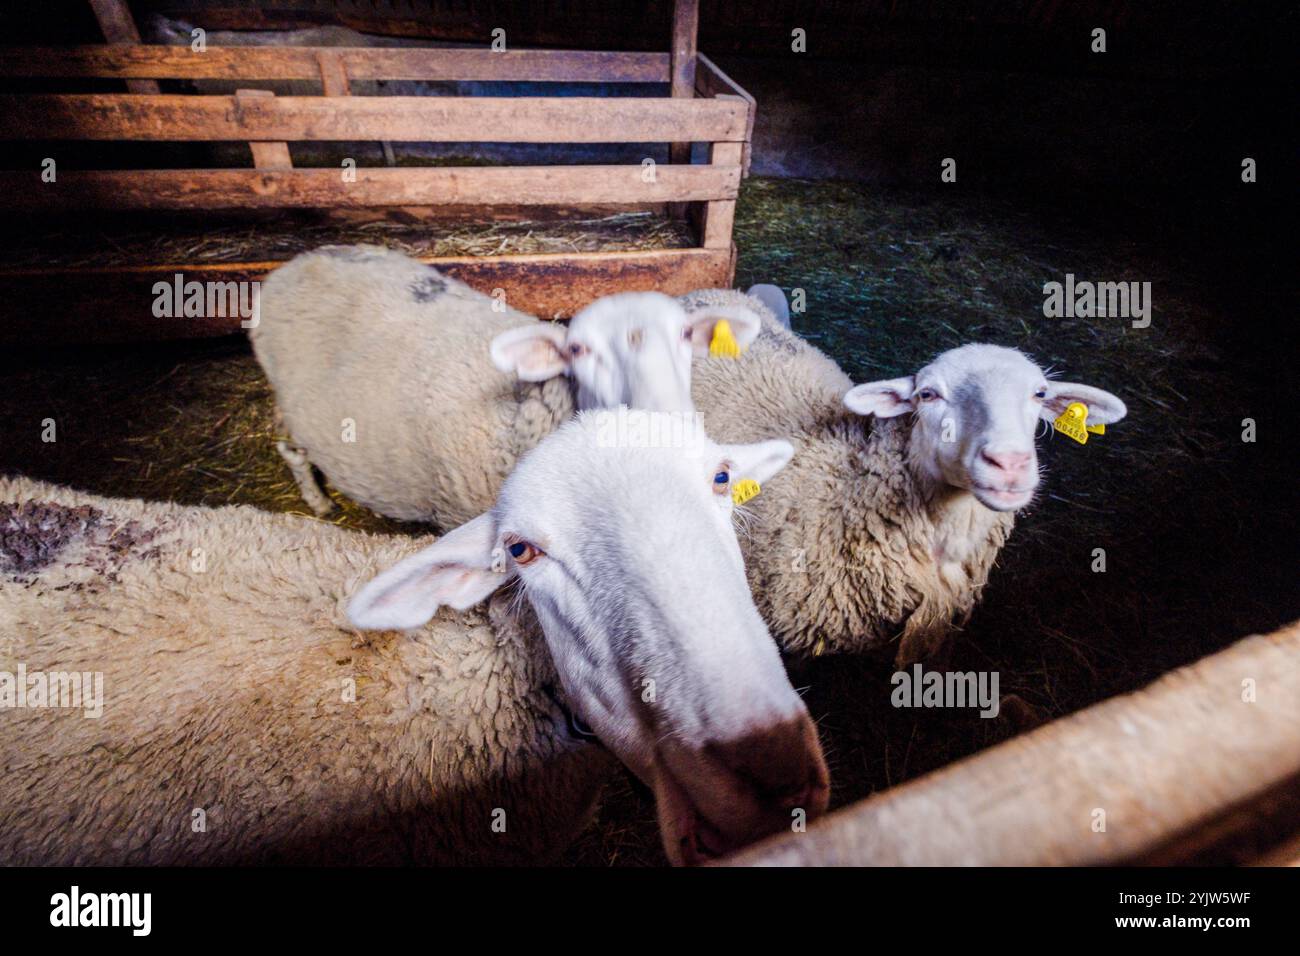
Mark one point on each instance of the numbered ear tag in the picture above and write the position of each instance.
(743, 490)
(724, 342)
(1073, 423)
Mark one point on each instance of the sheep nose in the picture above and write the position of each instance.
(783, 767)
(1008, 461)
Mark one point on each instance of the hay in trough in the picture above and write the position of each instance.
(1195, 523)
(153, 241)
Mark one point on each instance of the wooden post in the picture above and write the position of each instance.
(686, 23)
(266, 155)
(719, 214)
(115, 21)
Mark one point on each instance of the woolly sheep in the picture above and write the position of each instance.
(242, 721)
(886, 531)
(381, 375)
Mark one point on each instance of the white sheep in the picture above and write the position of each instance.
(885, 531)
(237, 718)
(381, 372)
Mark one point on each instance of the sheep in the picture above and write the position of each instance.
(380, 367)
(236, 717)
(886, 532)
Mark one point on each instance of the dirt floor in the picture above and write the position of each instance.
(1195, 522)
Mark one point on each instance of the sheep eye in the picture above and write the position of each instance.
(577, 350)
(634, 338)
(927, 395)
(524, 552)
(1041, 393)
(721, 481)
(686, 334)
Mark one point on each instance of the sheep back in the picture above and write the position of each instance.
(229, 732)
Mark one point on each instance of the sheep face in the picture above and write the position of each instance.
(633, 349)
(626, 551)
(976, 410)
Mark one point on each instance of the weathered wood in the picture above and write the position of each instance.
(686, 24)
(711, 81)
(110, 304)
(1160, 764)
(720, 214)
(118, 26)
(325, 188)
(333, 73)
(361, 63)
(266, 155)
(407, 118)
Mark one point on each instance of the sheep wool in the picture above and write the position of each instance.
(845, 552)
(381, 374)
(241, 719)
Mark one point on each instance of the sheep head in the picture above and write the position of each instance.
(975, 413)
(633, 349)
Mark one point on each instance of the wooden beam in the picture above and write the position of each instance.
(110, 304)
(1122, 782)
(686, 24)
(82, 116)
(361, 63)
(118, 26)
(720, 214)
(325, 188)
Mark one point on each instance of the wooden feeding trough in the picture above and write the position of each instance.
(92, 301)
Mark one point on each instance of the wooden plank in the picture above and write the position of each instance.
(333, 73)
(720, 215)
(266, 155)
(361, 63)
(94, 305)
(406, 118)
(1121, 782)
(686, 25)
(711, 81)
(118, 26)
(325, 188)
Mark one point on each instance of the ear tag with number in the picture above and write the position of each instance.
(744, 489)
(724, 342)
(1073, 423)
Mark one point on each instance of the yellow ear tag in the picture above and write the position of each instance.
(743, 490)
(724, 342)
(1073, 423)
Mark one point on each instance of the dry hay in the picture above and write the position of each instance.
(153, 241)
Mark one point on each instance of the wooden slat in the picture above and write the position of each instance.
(324, 188)
(118, 26)
(405, 118)
(361, 63)
(89, 305)
(266, 155)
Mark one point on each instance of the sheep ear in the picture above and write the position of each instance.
(458, 571)
(1103, 407)
(533, 352)
(745, 325)
(759, 461)
(884, 399)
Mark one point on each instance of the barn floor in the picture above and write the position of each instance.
(1196, 523)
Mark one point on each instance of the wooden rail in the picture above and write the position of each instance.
(1207, 755)
(448, 119)
(129, 61)
(324, 188)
